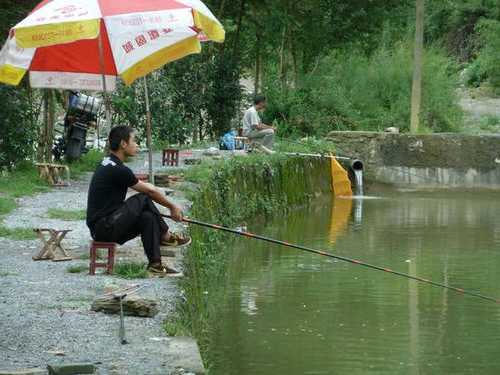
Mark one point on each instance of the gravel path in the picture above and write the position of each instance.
(45, 310)
(478, 111)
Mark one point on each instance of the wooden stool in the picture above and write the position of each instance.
(52, 173)
(241, 143)
(51, 244)
(170, 157)
(111, 246)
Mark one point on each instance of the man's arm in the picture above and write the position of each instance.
(263, 126)
(258, 124)
(155, 194)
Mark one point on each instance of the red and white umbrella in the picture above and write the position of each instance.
(71, 44)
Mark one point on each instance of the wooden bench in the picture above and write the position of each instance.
(53, 173)
(52, 245)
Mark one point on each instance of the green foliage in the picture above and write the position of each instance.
(128, 106)
(489, 51)
(194, 98)
(18, 129)
(67, 215)
(454, 23)
(87, 163)
(352, 91)
(474, 74)
(224, 94)
(131, 270)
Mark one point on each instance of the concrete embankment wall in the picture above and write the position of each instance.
(430, 160)
(253, 187)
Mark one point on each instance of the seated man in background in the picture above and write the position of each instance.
(111, 218)
(254, 129)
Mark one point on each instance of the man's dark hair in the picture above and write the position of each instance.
(117, 135)
(259, 99)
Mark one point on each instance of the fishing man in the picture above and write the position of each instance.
(111, 218)
(253, 128)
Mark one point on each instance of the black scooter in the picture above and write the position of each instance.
(82, 114)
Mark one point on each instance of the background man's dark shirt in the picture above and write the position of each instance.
(108, 189)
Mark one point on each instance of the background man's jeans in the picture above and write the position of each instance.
(265, 137)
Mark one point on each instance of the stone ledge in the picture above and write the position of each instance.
(33, 371)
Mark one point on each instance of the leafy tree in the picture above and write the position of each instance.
(18, 128)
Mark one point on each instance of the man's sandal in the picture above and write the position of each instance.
(159, 270)
(176, 240)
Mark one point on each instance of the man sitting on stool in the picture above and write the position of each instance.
(254, 129)
(111, 218)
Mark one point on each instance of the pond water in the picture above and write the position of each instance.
(289, 312)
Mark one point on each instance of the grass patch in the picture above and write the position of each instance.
(77, 269)
(18, 234)
(67, 215)
(174, 326)
(22, 181)
(86, 256)
(199, 173)
(87, 163)
(131, 270)
(7, 205)
(5, 274)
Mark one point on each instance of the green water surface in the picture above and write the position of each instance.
(288, 312)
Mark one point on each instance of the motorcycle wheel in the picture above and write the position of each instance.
(73, 149)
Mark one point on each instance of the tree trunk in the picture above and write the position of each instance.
(50, 127)
(416, 96)
(220, 13)
(257, 64)
(283, 68)
(295, 65)
(43, 130)
(238, 29)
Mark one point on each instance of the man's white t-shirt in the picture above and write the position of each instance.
(250, 120)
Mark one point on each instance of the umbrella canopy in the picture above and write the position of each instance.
(71, 44)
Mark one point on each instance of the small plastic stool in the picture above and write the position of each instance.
(94, 245)
(170, 157)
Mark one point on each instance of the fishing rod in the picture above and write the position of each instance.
(338, 257)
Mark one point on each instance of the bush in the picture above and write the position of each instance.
(352, 91)
(489, 51)
(474, 74)
(18, 130)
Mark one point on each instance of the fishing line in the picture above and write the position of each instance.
(339, 257)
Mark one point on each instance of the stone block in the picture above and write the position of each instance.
(71, 369)
(186, 355)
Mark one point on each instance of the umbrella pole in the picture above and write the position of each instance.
(107, 108)
(148, 131)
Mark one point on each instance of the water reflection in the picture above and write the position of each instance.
(287, 312)
(341, 212)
